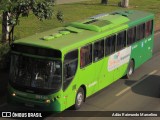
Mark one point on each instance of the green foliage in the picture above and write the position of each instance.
(13, 9)
(42, 9)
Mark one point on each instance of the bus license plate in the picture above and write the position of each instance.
(29, 105)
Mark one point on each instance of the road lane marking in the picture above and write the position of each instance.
(128, 88)
(3, 104)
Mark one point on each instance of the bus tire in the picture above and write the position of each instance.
(130, 69)
(79, 100)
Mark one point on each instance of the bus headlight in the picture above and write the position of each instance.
(13, 94)
(47, 101)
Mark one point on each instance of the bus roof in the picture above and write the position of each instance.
(77, 34)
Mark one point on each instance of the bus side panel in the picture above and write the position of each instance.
(142, 51)
(136, 54)
(100, 69)
(118, 62)
(120, 72)
(108, 77)
(87, 77)
(104, 77)
(148, 48)
(114, 67)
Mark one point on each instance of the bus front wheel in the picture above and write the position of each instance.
(79, 99)
(130, 69)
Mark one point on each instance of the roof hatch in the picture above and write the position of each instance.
(56, 35)
(101, 22)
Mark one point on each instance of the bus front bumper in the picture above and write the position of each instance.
(32, 104)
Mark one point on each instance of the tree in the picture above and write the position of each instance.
(104, 1)
(124, 3)
(13, 9)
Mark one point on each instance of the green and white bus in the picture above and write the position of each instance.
(60, 68)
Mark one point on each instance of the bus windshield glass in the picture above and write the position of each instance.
(35, 72)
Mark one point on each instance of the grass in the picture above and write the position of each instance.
(78, 11)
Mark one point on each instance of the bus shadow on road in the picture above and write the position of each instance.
(150, 86)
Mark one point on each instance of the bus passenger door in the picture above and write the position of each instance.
(70, 78)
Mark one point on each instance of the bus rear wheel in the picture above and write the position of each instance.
(79, 100)
(130, 69)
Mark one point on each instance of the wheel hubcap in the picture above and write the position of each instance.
(79, 99)
(130, 71)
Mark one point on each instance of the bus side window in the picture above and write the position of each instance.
(110, 45)
(140, 32)
(121, 40)
(131, 35)
(149, 28)
(98, 50)
(70, 67)
(85, 55)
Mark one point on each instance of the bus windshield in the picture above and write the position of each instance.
(35, 72)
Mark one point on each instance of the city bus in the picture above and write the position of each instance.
(60, 68)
